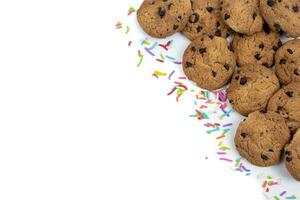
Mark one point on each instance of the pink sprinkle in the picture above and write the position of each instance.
(181, 77)
(226, 159)
(221, 153)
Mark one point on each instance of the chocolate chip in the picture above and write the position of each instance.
(202, 50)
(275, 48)
(257, 56)
(244, 135)
(295, 9)
(188, 64)
(226, 16)
(266, 28)
(289, 93)
(279, 108)
(297, 72)
(264, 157)
(271, 150)
(266, 65)
(288, 159)
(282, 61)
(243, 81)
(271, 3)
(237, 78)
(218, 33)
(194, 18)
(199, 28)
(254, 16)
(288, 153)
(231, 101)
(279, 43)
(226, 66)
(175, 27)
(214, 74)
(193, 49)
(209, 9)
(277, 28)
(161, 12)
(290, 51)
(218, 24)
(179, 18)
(261, 46)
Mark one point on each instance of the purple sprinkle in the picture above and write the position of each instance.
(171, 75)
(149, 51)
(222, 96)
(245, 169)
(155, 75)
(177, 62)
(230, 124)
(282, 193)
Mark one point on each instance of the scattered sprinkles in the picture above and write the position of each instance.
(207, 105)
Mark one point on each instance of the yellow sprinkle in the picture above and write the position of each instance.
(158, 73)
(220, 143)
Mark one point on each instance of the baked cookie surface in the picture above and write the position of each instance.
(163, 18)
(209, 63)
(282, 15)
(286, 102)
(292, 156)
(251, 88)
(206, 19)
(258, 49)
(243, 16)
(287, 62)
(261, 138)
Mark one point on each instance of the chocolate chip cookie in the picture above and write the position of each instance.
(258, 49)
(292, 156)
(243, 16)
(251, 88)
(206, 19)
(208, 62)
(261, 138)
(286, 102)
(283, 16)
(163, 18)
(287, 62)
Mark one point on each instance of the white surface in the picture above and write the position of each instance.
(79, 121)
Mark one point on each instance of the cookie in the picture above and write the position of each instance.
(243, 16)
(261, 138)
(206, 19)
(287, 62)
(292, 156)
(286, 102)
(251, 88)
(258, 49)
(282, 16)
(208, 62)
(163, 18)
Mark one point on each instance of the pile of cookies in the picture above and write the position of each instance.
(263, 73)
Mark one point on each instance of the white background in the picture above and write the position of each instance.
(78, 121)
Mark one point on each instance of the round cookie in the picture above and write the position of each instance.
(251, 88)
(261, 138)
(208, 62)
(258, 49)
(163, 18)
(206, 19)
(282, 15)
(287, 62)
(286, 102)
(292, 156)
(243, 16)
